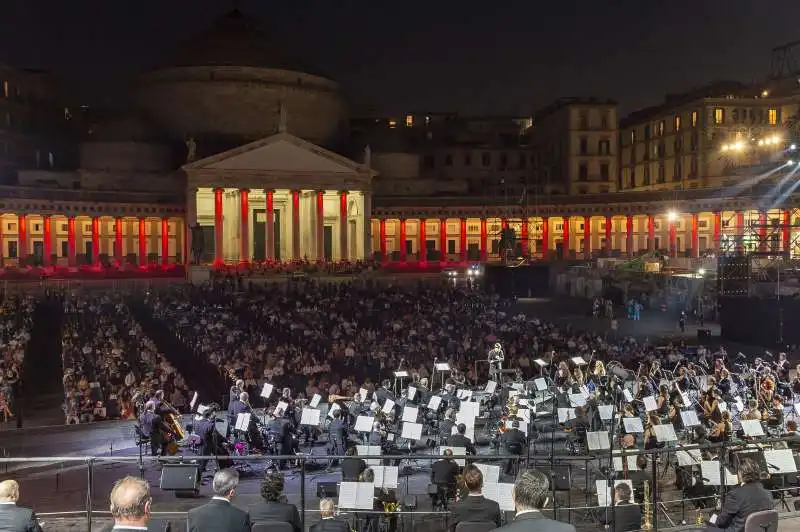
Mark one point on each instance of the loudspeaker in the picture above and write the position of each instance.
(560, 478)
(327, 490)
(733, 276)
(179, 477)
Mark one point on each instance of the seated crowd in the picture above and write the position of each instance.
(109, 363)
(15, 331)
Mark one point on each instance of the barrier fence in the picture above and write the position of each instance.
(677, 490)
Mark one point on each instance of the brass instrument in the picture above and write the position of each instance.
(390, 507)
(647, 514)
(511, 406)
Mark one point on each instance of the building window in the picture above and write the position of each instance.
(604, 120)
(662, 178)
(660, 128)
(486, 158)
(604, 171)
(693, 168)
(409, 121)
(467, 159)
(633, 136)
(647, 132)
(583, 146)
(392, 124)
(583, 121)
(503, 160)
(633, 177)
(678, 175)
(583, 172)
(719, 115)
(12, 250)
(428, 161)
(677, 122)
(772, 115)
(694, 118)
(604, 147)
(448, 159)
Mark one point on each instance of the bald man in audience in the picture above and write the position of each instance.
(130, 504)
(15, 518)
(328, 521)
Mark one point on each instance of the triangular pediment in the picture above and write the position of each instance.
(281, 153)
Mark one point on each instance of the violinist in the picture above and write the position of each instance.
(662, 401)
(722, 429)
(796, 380)
(773, 416)
(709, 404)
(650, 440)
(674, 413)
(562, 374)
(782, 367)
(578, 377)
(378, 434)
(751, 411)
(682, 380)
(766, 388)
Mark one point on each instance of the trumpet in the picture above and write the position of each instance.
(647, 514)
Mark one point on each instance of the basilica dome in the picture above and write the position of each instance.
(231, 81)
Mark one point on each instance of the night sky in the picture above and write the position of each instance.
(502, 57)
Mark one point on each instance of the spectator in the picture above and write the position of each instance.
(475, 507)
(219, 513)
(15, 518)
(328, 521)
(274, 507)
(530, 496)
(130, 504)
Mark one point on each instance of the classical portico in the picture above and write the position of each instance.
(280, 198)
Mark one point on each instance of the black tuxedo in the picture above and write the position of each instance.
(352, 468)
(536, 522)
(625, 517)
(459, 440)
(443, 472)
(740, 503)
(14, 518)
(329, 525)
(218, 515)
(275, 511)
(474, 508)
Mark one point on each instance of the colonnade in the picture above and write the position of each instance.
(687, 234)
(60, 239)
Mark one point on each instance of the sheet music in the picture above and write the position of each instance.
(783, 459)
(401, 374)
(410, 414)
(280, 409)
(709, 469)
(577, 399)
(310, 416)
(469, 410)
(491, 386)
(686, 400)
(388, 405)
(333, 408)
(385, 477)
(540, 384)
(193, 401)
(606, 412)
(578, 361)
(739, 404)
(633, 425)
(370, 450)
(797, 409)
(626, 393)
(501, 494)
(650, 404)
(242, 421)
(603, 492)
(363, 392)
(690, 418)
(540, 362)
(491, 473)
(457, 451)
(723, 406)
(524, 414)
(522, 426)
(267, 390)
(364, 424)
(688, 457)
(565, 414)
(752, 427)
(202, 409)
(314, 402)
(412, 392)
(434, 402)
(616, 460)
(442, 366)
(412, 431)
(356, 495)
(665, 433)
(598, 441)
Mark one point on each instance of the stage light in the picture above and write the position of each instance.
(738, 146)
(701, 272)
(790, 162)
(760, 142)
(672, 216)
(793, 147)
(764, 93)
(725, 147)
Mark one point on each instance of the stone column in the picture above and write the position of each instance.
(244, 253)
(142, 242)
(343, 250)
(219, 257)
(95, 240)
(191, 221)
(368, 225)
(48, 240)
(651, 233)
(320, 238)
(22, 233)
(296, 225)
(422, 256)
(269, 233)
(629, 236)
(164, 241)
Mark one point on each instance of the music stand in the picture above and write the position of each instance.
(398, 377)
(441, 367)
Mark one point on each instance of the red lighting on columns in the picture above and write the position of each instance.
(463, 240)
(22, 224)
(443, 240)
(118, 239)
(164, 241)
(48, 241)
(382, 232)
(244, 252)
(673, 240)
(717, 229)
(609, 243)
(545, 237)
(423, 238)
(218, 255)
(524, 238)
(71, 241)
(296, 224)
(95, 240)
(484, 253)
(320, 225)
(403, 240)
(142, 242)
(587, 237)
(629, 235)
(343, 245)
(651, 233)
(270, 232)
(739, 225)
(566, 238)
(695, 240)
(786, 234)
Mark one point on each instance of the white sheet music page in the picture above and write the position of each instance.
(412, 431)
(491, 473)
(603, 492)
(629, 458)
(242, 421)
(540, 384)
(597, 441)
(688, 457)
(710, 470)
(356, 495)
(491, 386)
(193, 401)
(752, 427)
(364, 424)
(412, 393)
(370, 450)
(266, 390)
(388, 405)
(633, 424)
(442, 366)
(385, 477)
(783, 459)
(689, 418)
(469, 409)
(363, 392)
(501, 494)
(314, 403)
(665, 433)
(565, 414)
(434, 402)
(606, 411)
(457, 451)
(332, 410)
(310, 417)
(577, 399)
(410, 414)
(626, 393)
(280, 409)
(650, 404)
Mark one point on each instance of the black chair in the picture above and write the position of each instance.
(764, 521)
(272, 526)
(475, 526)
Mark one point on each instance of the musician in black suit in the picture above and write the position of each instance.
(383, 393)
(474, 507)
(443, 475)
(515, 443)
(460, 439)
(152, 426)
(748, 498)
(274, 507)
(352, 466)
(446, 425)
(219, 513)
(328, 521)
(531, 494)
(625, 516)
(337, 434)
(15, 518)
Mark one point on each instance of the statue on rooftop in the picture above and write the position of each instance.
(191, 149)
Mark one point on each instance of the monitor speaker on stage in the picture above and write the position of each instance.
(327, 490)
(179, 477)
